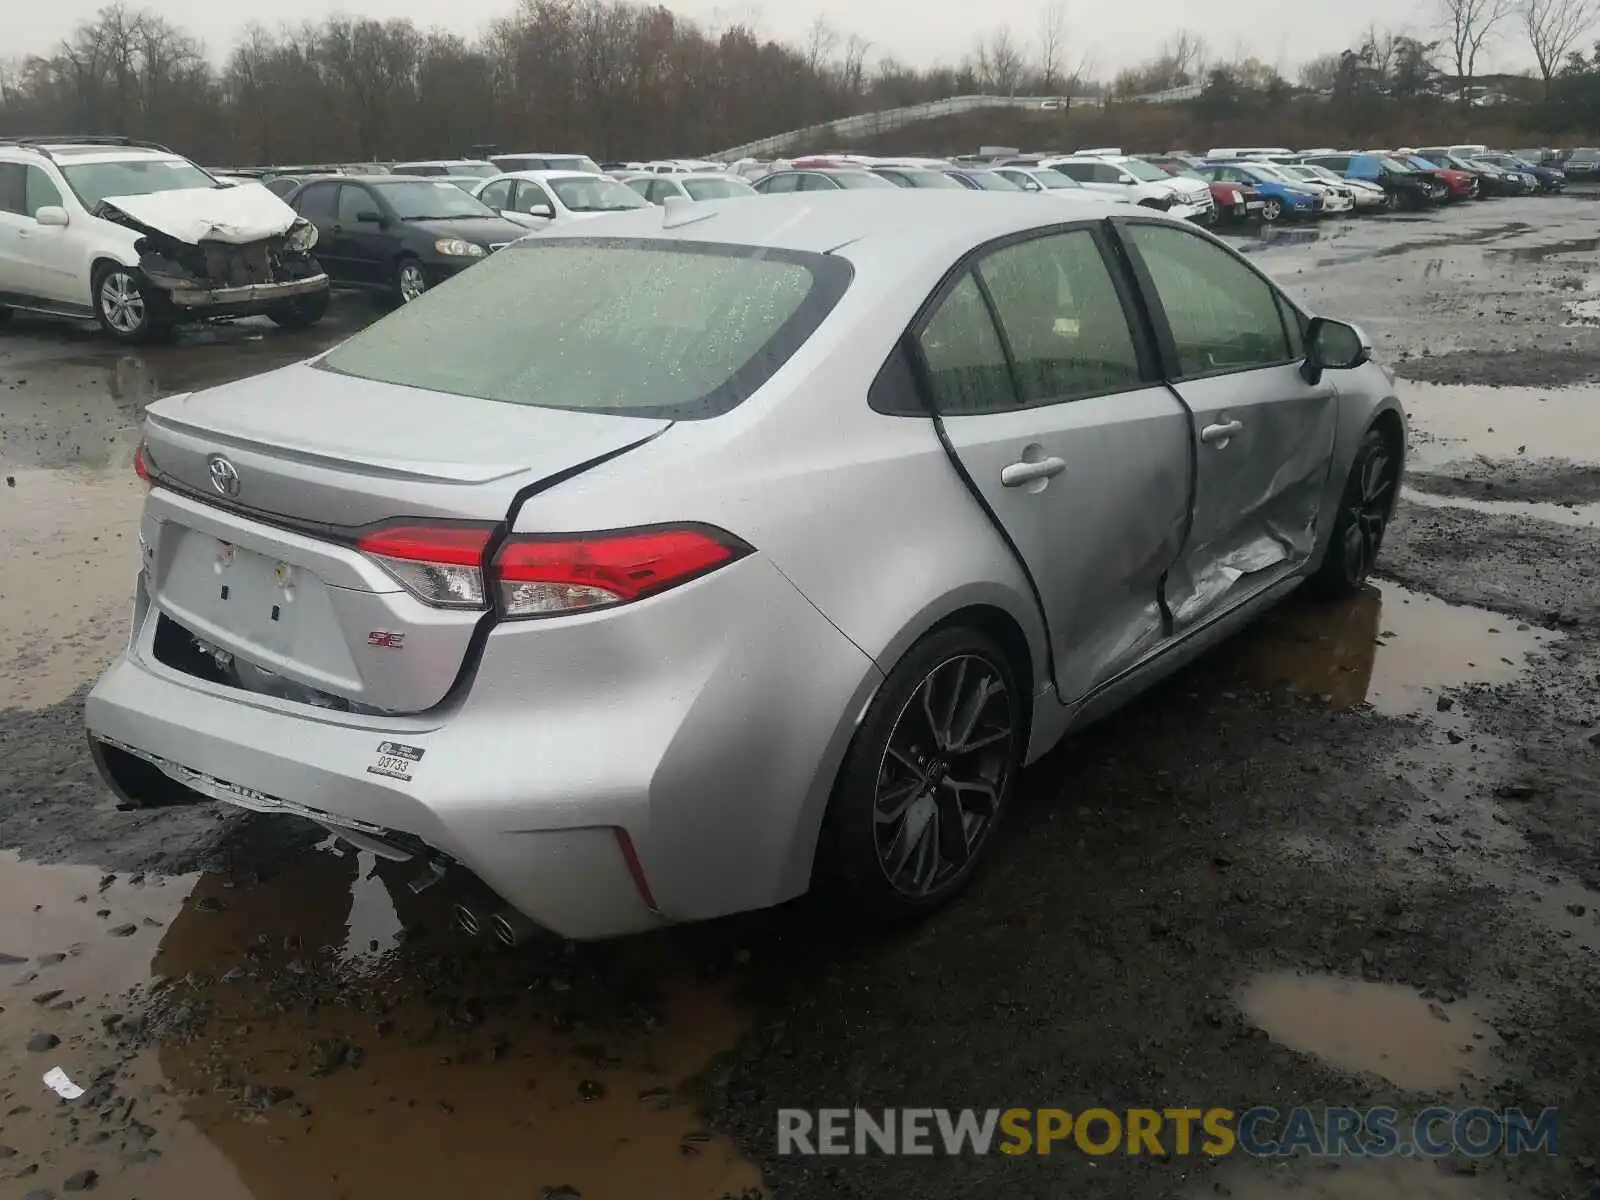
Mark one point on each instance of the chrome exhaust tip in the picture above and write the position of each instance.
(468, 920)
(510, 927)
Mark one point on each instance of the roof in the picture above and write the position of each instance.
(544, 175)
(675, 177)
(941, 223)
(441, 162)
(80, 152)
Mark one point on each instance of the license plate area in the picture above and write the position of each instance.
(273, 613)
(247, 594)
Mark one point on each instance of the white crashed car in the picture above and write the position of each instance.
(140, 239)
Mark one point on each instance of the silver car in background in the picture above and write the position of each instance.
(762, 561)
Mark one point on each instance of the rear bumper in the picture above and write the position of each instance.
(707, 724)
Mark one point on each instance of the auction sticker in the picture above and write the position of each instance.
(396, 760)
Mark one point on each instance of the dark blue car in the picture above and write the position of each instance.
(1550, 179)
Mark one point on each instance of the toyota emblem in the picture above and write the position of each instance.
(224, 475)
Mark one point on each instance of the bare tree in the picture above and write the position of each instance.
(855, 64)
(1468, 25)
(1552, 27)
(1320, 73)
(821, 41)
(1000, 62)
(1052, 42)
(1186, 52)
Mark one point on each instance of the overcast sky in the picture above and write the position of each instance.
(1116, 33)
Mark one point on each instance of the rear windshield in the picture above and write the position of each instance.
(717, 189)
(682, 330)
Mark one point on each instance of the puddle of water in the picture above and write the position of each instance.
(1583, 515)
(1501, 422)
(1373, 1179)
(1549, 250)
(1378, 1029)
(552, 1066)
(71, 539)
(1386, 646)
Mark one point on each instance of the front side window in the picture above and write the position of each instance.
(1062, 317)
(631, 327)
(1079, 171)
(39, 192)
(497, 194)
(779, 184)
(529, 196)
(1223, 316)
(353, 202)
(966, 363)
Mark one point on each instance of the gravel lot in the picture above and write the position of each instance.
(1348, 859)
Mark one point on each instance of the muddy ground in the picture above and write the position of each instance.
(1347, 859)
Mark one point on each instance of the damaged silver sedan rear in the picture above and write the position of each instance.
(140, 239)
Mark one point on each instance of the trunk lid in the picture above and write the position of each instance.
(316, 448)
(257, 559)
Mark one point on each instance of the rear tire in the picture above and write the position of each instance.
(926, 780)
(300, 312)
(1364, 510)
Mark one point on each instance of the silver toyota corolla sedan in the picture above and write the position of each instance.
(678, 562)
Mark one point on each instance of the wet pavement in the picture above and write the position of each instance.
(1346, 859)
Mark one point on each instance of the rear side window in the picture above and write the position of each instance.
(1063, 319)
(12, 187)
(317, 201)
(966, 363)
(681, 330)
(1223, 316)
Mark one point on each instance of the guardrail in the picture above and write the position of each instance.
(889, 119)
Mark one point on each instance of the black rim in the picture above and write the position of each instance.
(1367, 512)
(943, 774)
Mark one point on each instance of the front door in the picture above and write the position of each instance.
(365, 245)
(1263, 435)
(1051, 403)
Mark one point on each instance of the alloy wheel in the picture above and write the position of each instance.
(412, 282)
(122, 303)
(1367, 512)
(943, 773)
(1271, 209)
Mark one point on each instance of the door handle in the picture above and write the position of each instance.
(1018, 473)
(1218, 435)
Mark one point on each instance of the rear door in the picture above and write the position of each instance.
(1051, 403)
(1263, 435)
(319, 204)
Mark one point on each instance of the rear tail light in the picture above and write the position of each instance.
(141, 465)
(537, 575)
(441, 565)
(548, 574)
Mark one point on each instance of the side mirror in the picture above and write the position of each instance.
(1032, 185)
(541, 210)
(1333, 346)
(51, 214)
(1125, 179)
(369, 216)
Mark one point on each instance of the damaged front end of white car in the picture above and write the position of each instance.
(225, 252)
